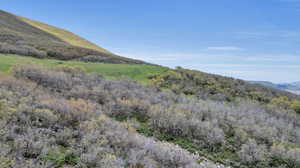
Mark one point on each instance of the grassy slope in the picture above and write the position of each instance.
(64, 35)
(23, 36)
(111, 71)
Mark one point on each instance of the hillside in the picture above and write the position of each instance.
(84, 107)
(63, 117)
(209, 86)
(64, 35)
(22, 36)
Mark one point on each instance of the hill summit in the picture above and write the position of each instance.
(22, 36)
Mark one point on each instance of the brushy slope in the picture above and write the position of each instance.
(65, 117)
(216, 87)
(191, 83)
(25, 37)
(219, 88)
(44, 128)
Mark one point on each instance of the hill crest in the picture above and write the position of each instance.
(22, 36)
(64, 35)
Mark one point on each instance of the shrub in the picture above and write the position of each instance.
(43, 77)
(61, 158)
(252, 153)
(72, 112)
(295, 105)
(180, 122)
(285, 155)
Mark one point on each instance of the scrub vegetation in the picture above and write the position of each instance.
(63, 116)
(67, 103)
(218, 88)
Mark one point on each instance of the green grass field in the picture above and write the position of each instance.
(139, 73)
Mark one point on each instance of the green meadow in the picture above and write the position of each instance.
(137, 72)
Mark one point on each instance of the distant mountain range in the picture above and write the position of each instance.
(296, 83)
(293, 87)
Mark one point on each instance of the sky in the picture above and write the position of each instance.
(246, 39)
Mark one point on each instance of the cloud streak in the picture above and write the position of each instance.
(224, 48)
(269, 34)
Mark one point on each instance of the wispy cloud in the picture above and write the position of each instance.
(208, 57)
(268, 34)
(178, 58)
(274, 73)
(274, 58)
(248, 66)
(224, 48)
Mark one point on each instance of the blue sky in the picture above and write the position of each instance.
(248, 39)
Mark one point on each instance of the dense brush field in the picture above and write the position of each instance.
(64, 117)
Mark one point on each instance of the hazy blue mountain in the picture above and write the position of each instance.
(290, 87)
(296, 83)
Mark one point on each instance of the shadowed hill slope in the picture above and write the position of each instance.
(65, 35)
(25, 37)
